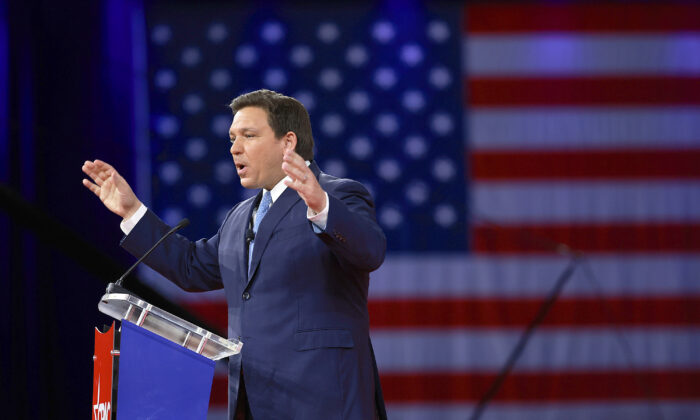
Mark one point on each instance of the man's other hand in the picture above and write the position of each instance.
(303, 181)
(114, 192)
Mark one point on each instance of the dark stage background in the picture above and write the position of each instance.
(61, 104)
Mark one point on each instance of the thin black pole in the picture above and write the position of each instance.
(524, 338)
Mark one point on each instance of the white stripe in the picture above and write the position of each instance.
(634, 410)
(443, 275)
(454, 275)
(585, 202)
(549, 349)
(577, 128)
(467, 275)
(580, 54)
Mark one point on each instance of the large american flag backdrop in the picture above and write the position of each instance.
(498, 139)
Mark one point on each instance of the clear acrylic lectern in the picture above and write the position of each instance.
(156, 365)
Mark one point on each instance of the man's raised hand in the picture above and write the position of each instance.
(303, 181)
(114, 192)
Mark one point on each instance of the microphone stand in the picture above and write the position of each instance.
(116, 287)
(525, 337)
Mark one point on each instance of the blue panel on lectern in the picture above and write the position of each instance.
(159, 379)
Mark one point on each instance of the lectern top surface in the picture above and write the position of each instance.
(124, 306)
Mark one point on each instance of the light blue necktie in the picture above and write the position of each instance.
(262, 210)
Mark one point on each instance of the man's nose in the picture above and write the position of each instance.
(235, 147)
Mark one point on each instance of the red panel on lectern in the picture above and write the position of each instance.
(103, 372)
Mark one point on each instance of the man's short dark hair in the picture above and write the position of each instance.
(284, 114)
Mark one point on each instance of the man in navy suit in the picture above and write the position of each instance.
(294, 262)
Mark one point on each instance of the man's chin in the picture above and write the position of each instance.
(246, 183)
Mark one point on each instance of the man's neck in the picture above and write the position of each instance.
(279, 187)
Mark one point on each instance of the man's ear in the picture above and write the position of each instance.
(290, 141)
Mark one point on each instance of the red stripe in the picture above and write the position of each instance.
(518, 312)
(515, 312)
(526, 387)
(219, 391)
(484, 91)
(215, 313)
(542, 386)
(641, 17)
(660, 237)
(581, 164)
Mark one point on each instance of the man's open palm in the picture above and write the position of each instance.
(113, 190)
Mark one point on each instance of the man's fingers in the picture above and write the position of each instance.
(103, 166)
(294, 159)
(294, 172)
(99, 172)
(296, 186)
(293, 156)
(117, 179)
(100, 184)
(92, 187)
(310, 192)
(90, 171)
(108, 185)
(303, 181)
(295, 166)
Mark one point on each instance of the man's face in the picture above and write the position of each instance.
(255, 150)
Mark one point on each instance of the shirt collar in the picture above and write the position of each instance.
(279, 188)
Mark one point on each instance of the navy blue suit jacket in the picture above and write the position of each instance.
(301, 309)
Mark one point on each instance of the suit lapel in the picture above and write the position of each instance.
(243, 256)
(315, 169)
(277, 211)
(279, 208)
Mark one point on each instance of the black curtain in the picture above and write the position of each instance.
(64, 98)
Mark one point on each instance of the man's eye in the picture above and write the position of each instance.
(245, 136)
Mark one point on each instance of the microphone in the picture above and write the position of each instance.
(249, 236)
(116, 287)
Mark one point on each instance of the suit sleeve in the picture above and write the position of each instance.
(352, 232)
(194, 266)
